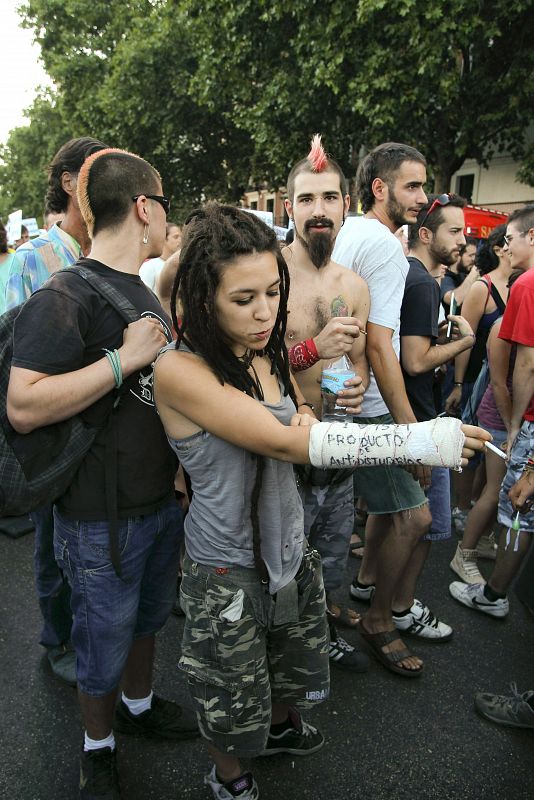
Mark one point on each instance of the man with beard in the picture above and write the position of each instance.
(460, 276)
(435, 239)
(390, 183)
(328, 305)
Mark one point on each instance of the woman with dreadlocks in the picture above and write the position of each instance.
(255, 642)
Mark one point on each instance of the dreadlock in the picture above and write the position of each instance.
(214, 236)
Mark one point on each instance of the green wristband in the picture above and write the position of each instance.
(115, 361)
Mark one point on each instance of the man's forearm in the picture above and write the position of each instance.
(435, 356)
(54, 398)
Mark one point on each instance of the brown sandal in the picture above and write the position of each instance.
(376, 642)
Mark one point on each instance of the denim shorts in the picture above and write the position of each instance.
(110, 612)
(439, 502)
(244, 649)
(522, 449)
(386, 489)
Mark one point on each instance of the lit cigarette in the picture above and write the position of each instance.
(496, 450)
(364, 332)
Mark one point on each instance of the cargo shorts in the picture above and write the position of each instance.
(244, 649)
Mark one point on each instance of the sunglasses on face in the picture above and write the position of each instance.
(441, 200)
(164, 202)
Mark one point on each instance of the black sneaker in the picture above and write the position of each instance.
(99, 779)
(344, 655)
(244, 787)
(164, 720)
(301, 739)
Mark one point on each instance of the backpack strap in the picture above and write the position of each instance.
(111, 295)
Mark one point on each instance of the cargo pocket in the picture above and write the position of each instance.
(221, 697)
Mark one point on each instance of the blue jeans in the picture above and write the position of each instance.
(110, 612)
(53, 590)
(439, 503)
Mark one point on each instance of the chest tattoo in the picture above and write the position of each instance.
(320, 312)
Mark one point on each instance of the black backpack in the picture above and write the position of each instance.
(38, 467)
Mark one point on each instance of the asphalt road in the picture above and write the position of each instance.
(387, 737)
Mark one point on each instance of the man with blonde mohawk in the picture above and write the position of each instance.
(328, 306)
(117, 540)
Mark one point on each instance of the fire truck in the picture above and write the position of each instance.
(479, 221)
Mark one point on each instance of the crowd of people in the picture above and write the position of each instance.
(226, 476)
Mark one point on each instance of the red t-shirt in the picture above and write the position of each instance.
(518, 320)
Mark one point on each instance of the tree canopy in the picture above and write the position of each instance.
(221, 96)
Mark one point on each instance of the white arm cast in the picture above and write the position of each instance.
(436, 443)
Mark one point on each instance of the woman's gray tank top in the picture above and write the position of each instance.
(218, 527)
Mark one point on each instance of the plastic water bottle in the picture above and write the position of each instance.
(333, 378)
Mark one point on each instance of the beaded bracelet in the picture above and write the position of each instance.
(115, 361)
(303, 355)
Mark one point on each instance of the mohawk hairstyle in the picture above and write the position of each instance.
(317, 156)
(107, 181)
(316, 161)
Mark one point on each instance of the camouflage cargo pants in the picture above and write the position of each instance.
(244, 649)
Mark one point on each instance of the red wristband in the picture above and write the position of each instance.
(303, 355)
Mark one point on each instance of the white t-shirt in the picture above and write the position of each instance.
(150, 270)
(368, 248)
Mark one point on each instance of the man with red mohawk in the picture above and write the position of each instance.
(328, 306)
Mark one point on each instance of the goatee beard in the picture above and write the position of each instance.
(318, 245)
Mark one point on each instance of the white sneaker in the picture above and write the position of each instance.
(472, 595)
(421, 622)
(244, 787)
(464, 564)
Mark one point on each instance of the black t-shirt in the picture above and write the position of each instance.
(63, 327)
(419, 317)
(450, 282)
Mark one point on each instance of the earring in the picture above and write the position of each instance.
(145, 235)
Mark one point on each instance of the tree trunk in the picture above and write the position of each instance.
(443, 173)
